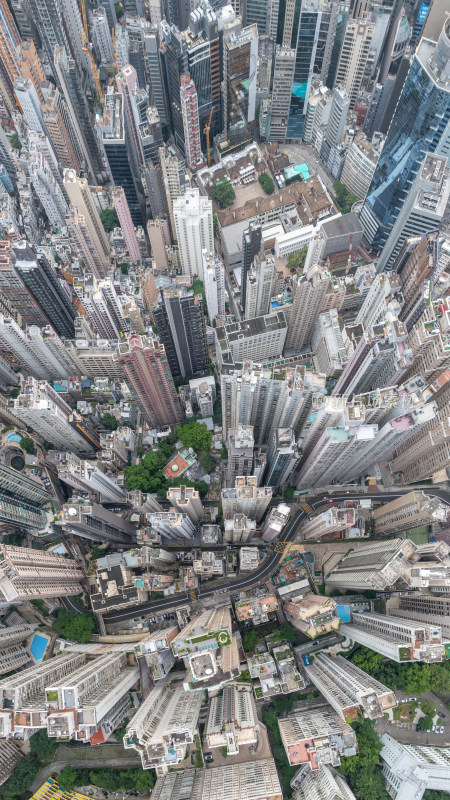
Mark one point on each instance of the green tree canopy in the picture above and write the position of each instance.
(426, 723)
(27, 444)
(267, 183)
(109, 422)
(207, 461)
(21, 777)
(296, 260)
(15, 142)
(41, 746)
(286, 632)
(67, 778)
(223, 193)
(428, 707)
(109, 219)
(289, 493)
(73, 626)
(195, 434)
(362, 771)
(344, 199)
(250, 639)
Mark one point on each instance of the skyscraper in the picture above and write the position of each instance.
(147, 372)
(355, 53)
(27, 573)
(240, 76)
(194, 231)
(304, 33)
(283, 76)
(181, 329)
(420, 124)
(260, 286)
(126, 223)
(214, 282)
(240, 452)
(191, 126)
(81, 199)
(9, 55)
(251, 245)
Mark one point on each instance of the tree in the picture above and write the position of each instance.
(214, 224)
(289, 493)
(73, 626)
(119, 10)
(109, 219)
(137, 477)
(144, 780)
(296, 260)
(21, 777)
(344, 199)
(223, 193)
(207, 461)
(362, 771)
(109, 422)
(250, 639)
(195, 434)
(198, 287)
(428, 707)
(41, 746)
(27, 444)
(15, 142)
(165, 449)
(68, 778)
(426, 723)
(267, 183)
(286, 632)
(224, 452)
(97, 552)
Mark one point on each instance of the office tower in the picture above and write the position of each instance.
(92, 521)
(246, 498)
(214, 282)
(416, 128)
(340, 105)
(126, 223)
(177, 13)
(355, 54)
(396, 637)
(240, 452)
(22, 499)
(416, 262)
(27, 573)
(204, 50)
(191, 126)
(360, 163)
(283, 457)
(59, 130)
(240, 53)
(186, 500)
(172, 525)
(193, 219)
(303, 36)
(283, 75)
(181, 329)
(9, 56)
(377, 106)
(81, 199)
(423, 209)
(320, 784)
(159, 237)
(86, 476)
(102, 37)
(328, 522)
(148, 375)
(44, 410)
(45, 185)
(173, 177)
(409, 770)
(255, 780)
(30, 103)
(379, 566)
(43, 283)
(209, 650)
(418, 607)
(232, 719)
(175, 63)
(13, 655)
(260, 339)
(311, 299)
(79, 115)
(260, 286)
(164, 726)
(110, 10)
(150, 136)
(348, 689)
(407, 512)
(128, 86)
(117, 148)
(251, 245)
(328, 737)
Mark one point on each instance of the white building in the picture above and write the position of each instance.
(193, 220)
(411, 769)
(397, 638)
(102, 37)
(214, 282)
(320, 784)
(260, 286)
(232, 720)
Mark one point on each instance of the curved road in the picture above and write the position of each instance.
(266, 569)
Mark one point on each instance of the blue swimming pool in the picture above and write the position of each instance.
(38, 646)
(13, 437)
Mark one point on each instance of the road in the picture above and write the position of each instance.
(263, 571)
(96, 763)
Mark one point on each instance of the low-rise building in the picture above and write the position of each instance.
(312, 614)
(316, 737)
(255, 605)
(232, 719)
(274, 673)
(248, 559)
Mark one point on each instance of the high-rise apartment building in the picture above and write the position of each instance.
(12, 654)
(14, 290)
(260, 339)
(102, 37)
(147, 372)
(407, 512)
(191, 125)
(209, 650)
(57, 124)
(27, 573)
(379, 566)
(348, 689)
(193, 221)
(155, 648)
(322, 783)
(232, 719)
(250, 780)
(260, 286)
(181, 329)
(81, 199)
(240, 452)
(411, 769)
(418, 607)
(313, 295)
(93, 521)
(417, 127)
(397, 638)
(282, 458)
(164, 726)
(86, 476)
(214, 282)
(172, 524)
(9, 56)
(354, 61)
(327, 735)
(30, 349)
(126, 223)
(186, 500)
(246, 498)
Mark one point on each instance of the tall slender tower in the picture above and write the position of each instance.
(126, 223)
(189, 110)
(81, 198)
(147, 372)
(9, 55)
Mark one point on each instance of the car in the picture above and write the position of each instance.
(412, 699)
(208, 754)
(441, 715)
(418, 728)
(433, 729)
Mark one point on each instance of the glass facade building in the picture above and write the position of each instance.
(306, 45)
(421, 124)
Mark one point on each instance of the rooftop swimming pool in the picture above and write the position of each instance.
(13, 437)
(38, 646)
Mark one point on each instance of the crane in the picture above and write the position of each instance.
(87, 49)
(207, 127)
